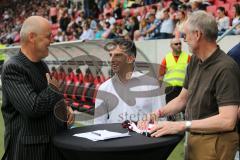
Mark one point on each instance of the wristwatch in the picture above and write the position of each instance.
(188, 125)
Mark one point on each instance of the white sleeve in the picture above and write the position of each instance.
(101, 111)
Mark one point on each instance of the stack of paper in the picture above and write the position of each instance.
(101, 135)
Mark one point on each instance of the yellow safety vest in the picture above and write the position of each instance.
(175, 71)
(2, 55)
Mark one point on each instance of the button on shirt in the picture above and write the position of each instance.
(211, 84)
(117, 101)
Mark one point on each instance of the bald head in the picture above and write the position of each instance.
(34, 24)
(175, 40)
(176, 46)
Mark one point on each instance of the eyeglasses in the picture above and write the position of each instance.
(177, 43)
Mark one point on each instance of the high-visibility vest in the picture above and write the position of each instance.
(175, 71)
(2, 55)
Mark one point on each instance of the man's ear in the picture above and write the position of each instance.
(31, 36)
(131, 59)
(199, 35)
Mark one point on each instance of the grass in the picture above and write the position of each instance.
(177, 153)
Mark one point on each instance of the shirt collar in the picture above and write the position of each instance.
(135, 75)
(211, 58)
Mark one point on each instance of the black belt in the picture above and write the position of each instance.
(211, 133)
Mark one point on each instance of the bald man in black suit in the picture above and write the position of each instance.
(30, 97)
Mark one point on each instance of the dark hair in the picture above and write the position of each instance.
(222, 9)
(107, 24)
(182, 7)
(154, 8)
(108, 15)
(237, 8)
(128, 46)
(173, 6)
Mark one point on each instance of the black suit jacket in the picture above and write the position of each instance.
(28, 110)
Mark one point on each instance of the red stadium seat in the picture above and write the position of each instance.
(212, 9)
(86, 87)
(231, 1)
(219, 3)
(95, 92)
(226, 6)
(132, 11)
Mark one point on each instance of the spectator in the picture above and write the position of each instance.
(148, 2)
(53, 13)
(153, 31)
(101, 4)
(143, 28)
(107, 29)
(94, 11)
(107, 8)
(92, 22)
(173, 11)
(133, 26)
(117, 13)
(64, 21)
(101, 19)
(222, 20)
(109, 18)
(99, 32)
(59, 37)
(181, 19)
(236, 19)
(195, 5)
(88, 33)
(167, 26)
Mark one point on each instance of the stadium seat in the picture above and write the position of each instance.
(226, 6)
(85, 89)
(78, 93)
(95, 93)
(231, 1)
(212, 9)
(68, 82)
(219, 3)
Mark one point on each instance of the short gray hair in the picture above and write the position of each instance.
(204, 22)
(31, 24)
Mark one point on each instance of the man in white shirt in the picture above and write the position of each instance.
(129, 94)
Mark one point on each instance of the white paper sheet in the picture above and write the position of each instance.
(99, 135)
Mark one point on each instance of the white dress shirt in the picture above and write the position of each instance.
(117, 101)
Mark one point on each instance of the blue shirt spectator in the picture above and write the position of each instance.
(235, 53)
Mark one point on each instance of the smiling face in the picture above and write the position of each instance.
(120, 60)
(42, 41)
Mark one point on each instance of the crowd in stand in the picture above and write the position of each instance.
(108, 19)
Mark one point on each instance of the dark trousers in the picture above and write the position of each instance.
(171, 93)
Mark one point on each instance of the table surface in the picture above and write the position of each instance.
(136, 141)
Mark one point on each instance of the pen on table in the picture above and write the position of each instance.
(98, 134)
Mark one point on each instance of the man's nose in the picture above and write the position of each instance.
(113, 58)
